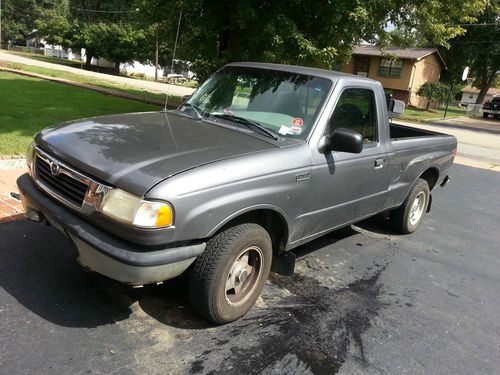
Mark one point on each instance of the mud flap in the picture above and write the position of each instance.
(284, 264)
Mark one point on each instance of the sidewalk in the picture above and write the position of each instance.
(10, 208)
(135, 83)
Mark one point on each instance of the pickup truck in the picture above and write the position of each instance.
(492, 107)
(262, 158)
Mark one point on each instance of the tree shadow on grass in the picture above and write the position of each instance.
(28, 105)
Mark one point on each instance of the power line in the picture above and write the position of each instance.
(476, 24)
(105, 11)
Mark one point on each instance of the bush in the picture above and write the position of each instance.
(433, 92)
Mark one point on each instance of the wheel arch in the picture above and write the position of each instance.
(431, 175)
(272, 218)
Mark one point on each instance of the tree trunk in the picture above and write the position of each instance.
(486, 82)
(88, 60)
(428, 105)
(117, 68)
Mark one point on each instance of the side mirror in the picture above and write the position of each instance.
(342, 139)
(395, 107)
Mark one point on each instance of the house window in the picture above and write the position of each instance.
(390, 68)
(471, 97)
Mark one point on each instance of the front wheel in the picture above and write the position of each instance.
(485, 115)
(407, 218)
(229, 276)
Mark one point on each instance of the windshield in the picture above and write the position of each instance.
(285, 103)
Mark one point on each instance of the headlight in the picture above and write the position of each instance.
(30, 153)
(131, 209)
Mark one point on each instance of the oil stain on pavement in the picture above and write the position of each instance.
(309, 330)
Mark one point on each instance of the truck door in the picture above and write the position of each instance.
(346, 187)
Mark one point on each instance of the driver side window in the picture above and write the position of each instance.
(356, 111)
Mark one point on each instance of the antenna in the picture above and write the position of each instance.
(173, 58)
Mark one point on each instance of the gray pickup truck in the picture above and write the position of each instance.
(260, 159)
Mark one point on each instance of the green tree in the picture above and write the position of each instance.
(19, 17)
(117, 42)
(433, 92)
(479, 49)
(315, 33)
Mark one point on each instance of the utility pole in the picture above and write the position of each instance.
(156, 59)
(175, 45)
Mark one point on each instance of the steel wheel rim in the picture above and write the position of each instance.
(244, 276)
(417, 208)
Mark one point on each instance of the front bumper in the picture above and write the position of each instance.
(105, 253)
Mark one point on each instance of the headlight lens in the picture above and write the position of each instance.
(129, 208)
(30, 152)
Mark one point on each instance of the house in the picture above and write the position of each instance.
(400, 70)
(469, 95)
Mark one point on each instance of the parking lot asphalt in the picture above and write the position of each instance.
(363, 300)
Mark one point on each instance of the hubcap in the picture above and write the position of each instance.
(244, 276)
(417, 208)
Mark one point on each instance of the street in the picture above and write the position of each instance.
(363, 300)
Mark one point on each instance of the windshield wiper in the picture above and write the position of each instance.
(248, 123)
(196, 110)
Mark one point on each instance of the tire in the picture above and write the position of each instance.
(485, 115)
(408, 217)
(238, 257)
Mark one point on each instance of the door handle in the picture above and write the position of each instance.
(379, 163)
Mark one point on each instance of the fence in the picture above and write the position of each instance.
(474, 110)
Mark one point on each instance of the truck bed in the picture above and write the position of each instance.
(398, 131)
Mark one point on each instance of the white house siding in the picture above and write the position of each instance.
(138, 68)
(470, 97)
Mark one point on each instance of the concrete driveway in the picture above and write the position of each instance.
(131, 82)
(363, 301)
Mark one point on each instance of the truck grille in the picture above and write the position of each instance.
(61, 184)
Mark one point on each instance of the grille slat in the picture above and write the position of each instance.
(73, 184)
(71, 190)
(62, 185)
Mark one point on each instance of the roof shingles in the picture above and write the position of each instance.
(400, 53)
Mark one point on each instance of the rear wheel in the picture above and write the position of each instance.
(229, 276)
(407, 218)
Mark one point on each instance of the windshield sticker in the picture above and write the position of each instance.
(297, 121)
(296, 130)
(284, 130)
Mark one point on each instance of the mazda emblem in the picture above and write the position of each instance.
(54, 168)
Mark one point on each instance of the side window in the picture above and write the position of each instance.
(356, 110)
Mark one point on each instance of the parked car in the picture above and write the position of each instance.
(261, 159)
(492, 107)
(175, 78)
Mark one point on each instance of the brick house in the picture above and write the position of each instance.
(400, 70)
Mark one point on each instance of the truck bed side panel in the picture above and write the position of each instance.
(410, 157)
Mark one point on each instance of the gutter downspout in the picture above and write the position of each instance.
(412, 80)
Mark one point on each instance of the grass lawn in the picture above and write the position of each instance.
(173, 100)
(78, 64)
(28, 105)
(422, 115)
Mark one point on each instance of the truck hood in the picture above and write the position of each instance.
(136, 151)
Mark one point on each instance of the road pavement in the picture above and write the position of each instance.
(476, 147)
(131, 82)
(363, 301)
